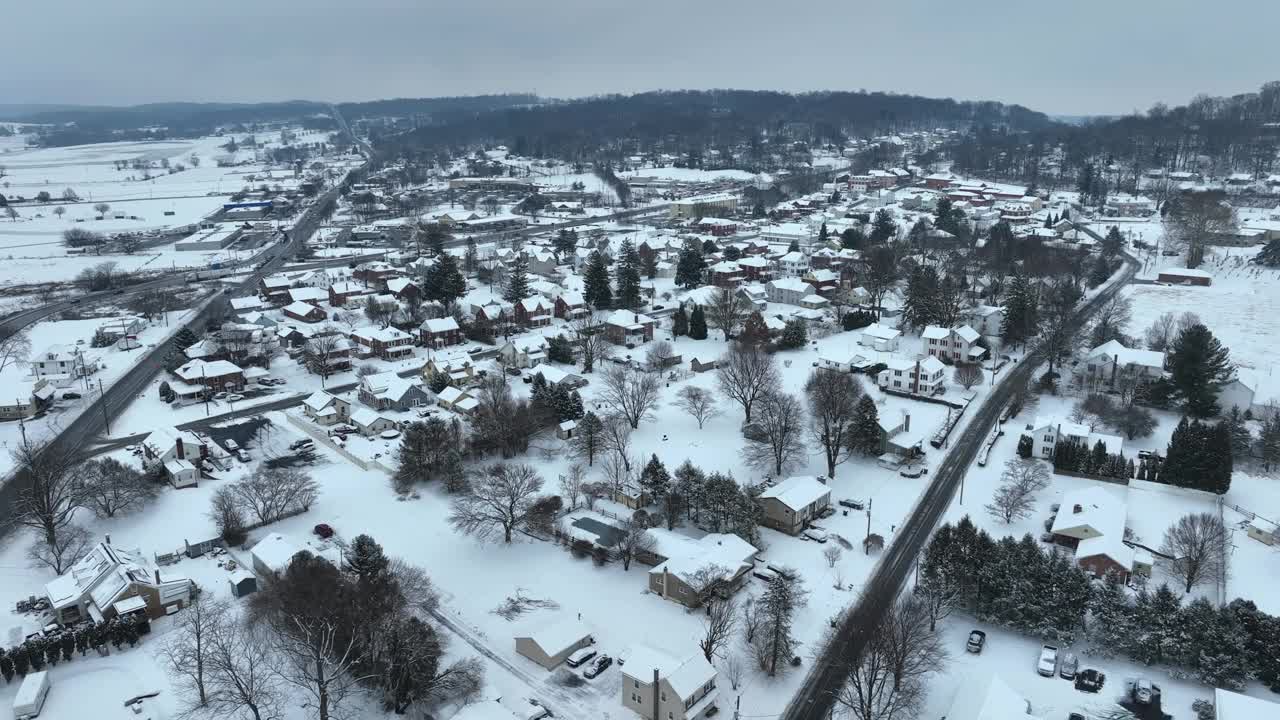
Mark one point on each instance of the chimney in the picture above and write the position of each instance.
(1076, 509)
(108, 538)
(655, 695)
(157, 576)
(906, 421)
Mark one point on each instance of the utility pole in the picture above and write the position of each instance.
(102, 398)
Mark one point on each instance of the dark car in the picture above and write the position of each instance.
(119, 292)
(75, 301)
(323, 531)
(1090, 680)
(601, 664)
(977, 639)
(1067, 668)
(851, 504)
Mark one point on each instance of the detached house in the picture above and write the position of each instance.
(689, 571)
(790, 504)
(304, 312)
(440, 332)
(275, 288)
(109, 581)
(346, 293)
(62, 362)
(216, 376)
(389, 391)
(958, 344)
(1112, 363)
(326, 408)
(533, 311)
(457, 366)
(524, 352)
(789, 290)
(570, 305)
(624, 327)
(403, 288)
(325, 356)
(915, 377)
(658, 686)
(1046, 432)
(179, 452)
(1092, 522)
(309, 295)
(387, 343)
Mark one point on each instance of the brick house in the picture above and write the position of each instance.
(533, 311)
(403, 288)
(216, 376)
(304, 312)
(624, 327)
(571, 306)
(386, 343)
(308, 295)
(440, 332)
(343, 293)
(726, 274)
(375, 274)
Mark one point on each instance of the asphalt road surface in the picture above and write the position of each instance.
(816, 698)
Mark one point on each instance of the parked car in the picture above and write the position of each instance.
(1067, 669)
(1075, 716)
(1090, 680)
(1144, 692)
(231, 445)
(913, 470)
(581, 656)
(389, 434)
(816, 534)
(323, 531)
(851, 504)
(219, 396)
(234, 398)
(70, 395)
(242, 455)
(600, 664)
(977, 639)
(1047, 665)
(304, 444)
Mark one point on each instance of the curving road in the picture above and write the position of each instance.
(816, 698)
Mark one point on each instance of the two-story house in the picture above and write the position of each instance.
(659, 686)
(524, 352)
(725, 274)
(347, 292)
(789, 504)
(915, 377)
(533, 311)
(958, 344)
(216, 376)
(789, 290)
(387, 343)
(1112, 364)
(440, 332)
(62, 361)
(624, 327)
(570, 305)
(389, 391)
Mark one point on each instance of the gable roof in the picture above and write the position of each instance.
(438, 325)
(984, 696)
(1126, 356)
(684, 676)
(1099, 509)
(798, 491)
(558, 635)
(302, 309)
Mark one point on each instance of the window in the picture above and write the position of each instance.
(637, 682)
(664, 696)
(1048, 438)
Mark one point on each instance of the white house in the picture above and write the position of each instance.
(958, 344)
(1237, 393)
(879, 337)
(658, 685)
(524, 352)
(986, 319)
(983, 695)
(1112, 362)
(62, 362)
(1047, 431)
(915, 377)
(789, 290)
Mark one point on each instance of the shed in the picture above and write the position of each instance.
(181, 473)
(272, 555)
(564, 430)
(553, 643)
(703, 363)
(1185, 276)
(242, 583)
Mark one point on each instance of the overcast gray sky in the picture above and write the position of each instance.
(1067, 57)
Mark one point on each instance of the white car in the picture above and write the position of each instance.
(1048, 663)
(816, 534)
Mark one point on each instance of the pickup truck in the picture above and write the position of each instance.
(1048, 663)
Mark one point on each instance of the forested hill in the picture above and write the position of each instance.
(1211, 135)
(683, 120)
(444, 108)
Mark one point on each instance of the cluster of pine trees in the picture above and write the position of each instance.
(1015, 584)
(1078, 457)
(37, 652)
(714, 502)
(691, 323)
(932, 300)
(1199, 456)
(619, 288)
(558, 401)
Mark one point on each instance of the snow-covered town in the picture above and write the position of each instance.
(506, 408)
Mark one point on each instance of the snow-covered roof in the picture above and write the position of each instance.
(798, 491)
(275, 552)
(386, 334)
(197, 369)
(1186, 272)
(1097, 509)
(966, 333)
(628, 319)
(307, 293)
(318, 400)
(300, 309)
(685, 676)
(984, 696)
(438, 325)
(1063, 427)
(792, 284)
(1126, 356)
(935, 332)
(880, 332)
(553, 375)
(1229, 705)
(558, 635)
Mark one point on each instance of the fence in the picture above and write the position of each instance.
(1103, 478)
(323, 437)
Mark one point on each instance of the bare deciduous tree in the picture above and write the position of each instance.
(571, 483)
(914, 651)
(832, 555)
(718, 626)
(499, 498)
(14, 348)
(270, 494)
(112, 487)
(1198, 545)
(241, 673)
(833, 407)
(318, 659)
(1021, 480)
(630, 393)
(634, 540)
(726, 310)
(53, 490)
(590, 339)
(659, 355)
(746, 374)
(419, 592)
(780, 443)
(869, 692)
(187, 649)
(698, 402)
(69, 545)
(323, 349)
(967, 375)
(733, 668)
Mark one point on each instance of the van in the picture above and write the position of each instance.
(580, 656)
(30, 698)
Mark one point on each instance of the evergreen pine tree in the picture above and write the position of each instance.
(471, 260)
(864, 432)
(1217, 474)
(1198, 367)
(883, 227)
(1241, 436)
(794, 246)
(754, 330)
(655, 481)
(565, 243)
(822, 235)
(576, 409)
(444, 282)
(920, 305)
(680, 322)
(1021, 314)
(518, 280)
(698, 324)
(690, 265)
(794, 336)
(1111, 622)
(595, 282)
(1099, 272)
(184, 339)
(688, 484)
(627, 276)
